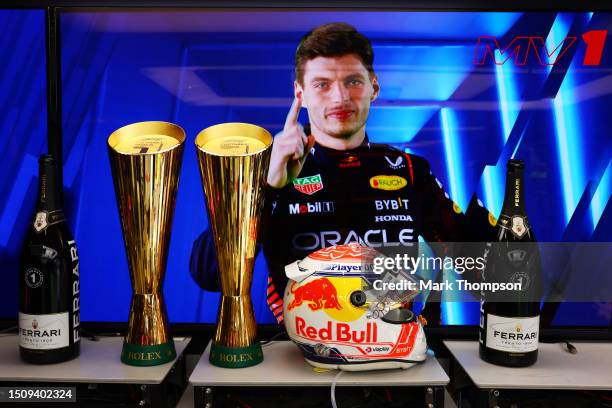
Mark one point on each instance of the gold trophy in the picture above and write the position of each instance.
(234, 160)
(145, 160)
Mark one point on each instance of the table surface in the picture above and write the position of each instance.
(99, 362)
(589, 369)
(284, 365)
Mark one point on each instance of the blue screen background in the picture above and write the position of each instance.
(197, 69)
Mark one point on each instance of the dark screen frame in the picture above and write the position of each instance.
(55, 8)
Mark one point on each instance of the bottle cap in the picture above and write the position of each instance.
(46, 159)
(515, 164)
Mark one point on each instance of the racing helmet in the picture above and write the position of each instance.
(338, 320)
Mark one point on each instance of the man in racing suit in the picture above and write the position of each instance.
(329, 185)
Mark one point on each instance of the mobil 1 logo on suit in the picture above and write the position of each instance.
(317, 207)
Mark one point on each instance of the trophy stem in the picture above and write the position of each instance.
(147, 342)
(235, 345)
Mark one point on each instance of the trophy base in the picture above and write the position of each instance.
(235, 357)
(137, 355)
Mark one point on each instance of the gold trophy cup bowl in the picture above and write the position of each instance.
(145, 161)
(234, 160)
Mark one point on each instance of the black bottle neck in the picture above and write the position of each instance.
(514, 199)
(49, 192)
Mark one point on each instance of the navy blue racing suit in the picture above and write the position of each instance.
(375, 195)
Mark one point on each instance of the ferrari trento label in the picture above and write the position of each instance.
(388, 183)
(40, 222)
(43, 332)
(45, 219)
(513, 335)
(519, 226)
(308, 185)
(146, 144)
(516, 224)
(233, 145)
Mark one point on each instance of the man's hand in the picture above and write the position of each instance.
(290, 149)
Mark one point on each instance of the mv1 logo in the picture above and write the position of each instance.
(524, 47)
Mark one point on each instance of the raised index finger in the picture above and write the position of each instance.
(294, 112)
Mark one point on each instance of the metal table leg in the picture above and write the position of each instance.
(487, 398)
(434, 397)
(203, 397)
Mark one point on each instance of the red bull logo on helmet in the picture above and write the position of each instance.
(320, 293)
(336, 332)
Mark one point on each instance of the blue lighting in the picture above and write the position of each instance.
(197, 69)
(506, 92)
(421, 72)
(452, 150)
(397, 125)
(492, 189)
(601, 196)
(518, 143)
(507, 96)
(558, 32)
(567, 128)
(452, 308)
(569, 147)
(27, 171)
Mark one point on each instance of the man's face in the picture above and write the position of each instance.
(337, 92)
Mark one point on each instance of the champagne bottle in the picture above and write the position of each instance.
(509, 320)
(49, 318)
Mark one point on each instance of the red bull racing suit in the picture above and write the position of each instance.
(375, 195)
